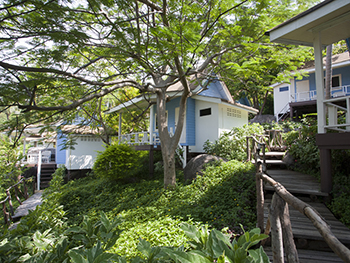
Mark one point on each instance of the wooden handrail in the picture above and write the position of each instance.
(279, 220)
(9, 214)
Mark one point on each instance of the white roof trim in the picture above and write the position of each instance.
(330, 18)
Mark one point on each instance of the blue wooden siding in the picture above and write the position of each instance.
(190, 118)
(60, 153)
(191, 122)
(170, 107)
(343, 71)
(345, 75)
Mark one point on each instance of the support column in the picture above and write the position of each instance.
(120, 128)
(151, 124)
(151, 160)
(326, 170)
(321, 118)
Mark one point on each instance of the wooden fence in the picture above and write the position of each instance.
(8, 211)
(278, 222)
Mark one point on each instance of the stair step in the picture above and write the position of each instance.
(274, 154)
(272, 162)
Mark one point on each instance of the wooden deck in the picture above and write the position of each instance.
(296, 183)
(307, 238)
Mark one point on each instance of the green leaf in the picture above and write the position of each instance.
(76, 257)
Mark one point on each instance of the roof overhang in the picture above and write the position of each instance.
(226, 103)
(330, 18)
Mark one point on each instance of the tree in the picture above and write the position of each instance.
(59, 55)
(250, 72)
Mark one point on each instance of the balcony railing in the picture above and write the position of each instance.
(143, 138)
(311, 95)
(140, 138)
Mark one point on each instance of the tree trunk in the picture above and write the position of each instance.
(170, 143)
(264, 103)
(328, 81)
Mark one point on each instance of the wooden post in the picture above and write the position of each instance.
(16, 195)
(10, 201)
(6, 214)
(248, 150)
(25, 189)
(276, 231)
(326, 170)
(264, 158)
(259, 198)
(287, 233)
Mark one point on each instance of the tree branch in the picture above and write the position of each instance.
(150, 4)
(78, 102)
(68, 74)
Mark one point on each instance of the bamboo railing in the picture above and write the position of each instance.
(9, 212)
(278, 222)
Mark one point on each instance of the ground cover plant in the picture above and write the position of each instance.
(142, 222)
(223, 197)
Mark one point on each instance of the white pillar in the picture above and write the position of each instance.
(24, 146)
(151, 124)
(321, 118)
(39, 171)
(120, 128)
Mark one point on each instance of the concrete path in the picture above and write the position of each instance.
(30, 204)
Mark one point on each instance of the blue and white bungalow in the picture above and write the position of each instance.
(210, 111)
(299, 96)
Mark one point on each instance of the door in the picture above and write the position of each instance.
(303, 89)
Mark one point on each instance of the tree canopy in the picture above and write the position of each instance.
(59, 55)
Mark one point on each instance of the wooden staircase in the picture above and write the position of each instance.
(311, 246)
(47, 169)
(309, 242)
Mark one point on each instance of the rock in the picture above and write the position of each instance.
(197, 165)
(263, 119)
(288, 159)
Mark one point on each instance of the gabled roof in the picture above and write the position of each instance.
(338, 60)
(215, 89)
(330, 18)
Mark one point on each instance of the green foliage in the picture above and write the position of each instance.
(341, 185)
(10, 157)
(118, 161)
(232, 145)
(223, 197)
(140, 222)
(284, 126)
(302, 146)
(341, 197)
(207, 246)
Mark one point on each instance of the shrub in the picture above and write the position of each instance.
(232, 145)
(223, 197)
(302, 146)
(118, 161)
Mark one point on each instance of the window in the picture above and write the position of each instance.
(335, 81)
(205, 112)
(282, 89)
